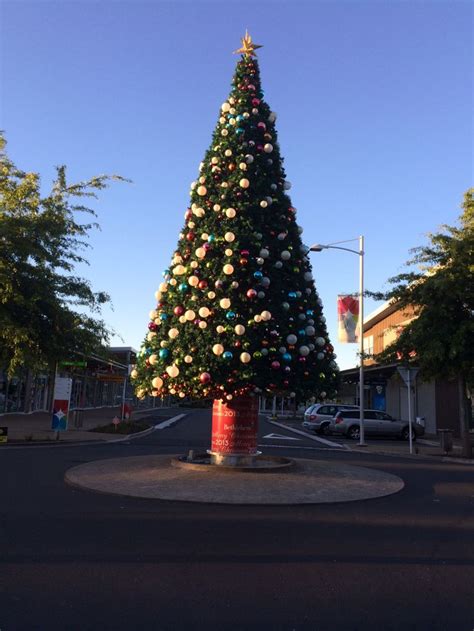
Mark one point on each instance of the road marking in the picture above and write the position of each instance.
(324, 441)
(280, 437)
(300, 447)
(169, 422)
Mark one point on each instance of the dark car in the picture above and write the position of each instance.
(376, 423)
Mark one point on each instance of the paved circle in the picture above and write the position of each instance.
(309, 482)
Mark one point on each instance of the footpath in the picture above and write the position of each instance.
(426, 446)
(36, 427)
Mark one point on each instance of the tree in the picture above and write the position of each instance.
(440, 338)
(237, 311)
(40, 243)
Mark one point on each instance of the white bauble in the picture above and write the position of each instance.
(310, 330)
(224, 303)
(173, 371)
(291, 339)
(188, 359)
(320, 356)
(304, 351)
(220, 328)
(204, 312)
(266, 315)
(308, 276)
(285, 255)
(263, 203)
(228, 269)
(200, 253)
(153, 359)
(157, 383)
(217, 349)
(264, 253)
(229, 237)
(285, 305)
(202, 190)
(245, 358)
(244, 183)
(320, 341)
(230, 213)
(287, 185)
(268, 148)
(173, 333)
(239, 329)
(193, 281)
(225, 107)
(190, 315)
(278, 264)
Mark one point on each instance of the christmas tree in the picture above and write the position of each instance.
(237, 312)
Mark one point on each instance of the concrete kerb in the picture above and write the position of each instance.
(101, 441)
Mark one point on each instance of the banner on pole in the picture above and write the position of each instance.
(348, 319)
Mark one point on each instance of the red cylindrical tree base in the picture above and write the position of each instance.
(234, 430)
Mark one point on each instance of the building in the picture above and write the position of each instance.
(435, 402)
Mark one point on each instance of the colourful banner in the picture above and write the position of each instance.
(348, 319)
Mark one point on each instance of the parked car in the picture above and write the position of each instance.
(318, 416)
(376, 423)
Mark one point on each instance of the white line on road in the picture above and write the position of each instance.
(300, 447)
(280, 437)
(324, 441)
(169, 422)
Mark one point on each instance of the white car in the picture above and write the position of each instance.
(317, 417)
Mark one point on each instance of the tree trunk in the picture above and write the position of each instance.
(465, 414)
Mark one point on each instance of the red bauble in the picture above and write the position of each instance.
(190, 236)
(244, 253)
(251, 293)
(243, 261)
(204, 377)
(152, 326)
(178, 310)
(202, 284)
(255, 102)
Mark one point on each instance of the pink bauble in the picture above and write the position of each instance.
(204, 377)
(251, 293)
(255, 102)
(275, 365)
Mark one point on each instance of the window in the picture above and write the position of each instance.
(369, 345)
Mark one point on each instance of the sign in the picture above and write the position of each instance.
(111, 377)
(61, 399)
(408, 374)
(116, 421)
(234, 426)
(347, 319)
(3, 435)
(79, 364)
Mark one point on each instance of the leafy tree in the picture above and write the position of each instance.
(238, 311)
(440, 339)
(40, 243)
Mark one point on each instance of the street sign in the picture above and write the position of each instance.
(61, 399)
(408, 374)
(3, 435)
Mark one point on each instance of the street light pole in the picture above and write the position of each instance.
(317, 247)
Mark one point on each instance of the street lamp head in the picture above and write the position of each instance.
(317, 247)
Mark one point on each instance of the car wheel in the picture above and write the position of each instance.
(406, 434)
(354, 432)
(325, 429)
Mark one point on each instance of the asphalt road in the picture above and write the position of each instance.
(72, 559)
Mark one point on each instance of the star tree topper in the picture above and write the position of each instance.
(248, 47)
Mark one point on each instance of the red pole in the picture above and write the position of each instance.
(234, 430)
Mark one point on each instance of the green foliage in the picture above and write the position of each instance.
(240, 272)
(441, 338)
(40, 243)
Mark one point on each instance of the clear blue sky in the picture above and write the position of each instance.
(374, 103)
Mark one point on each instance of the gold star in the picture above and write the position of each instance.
(248, 47)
